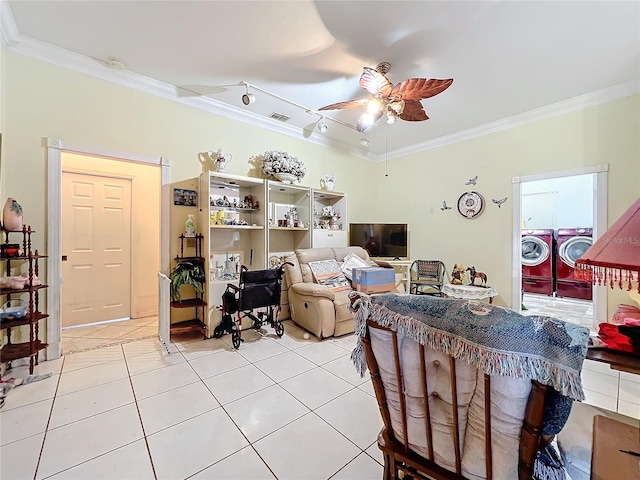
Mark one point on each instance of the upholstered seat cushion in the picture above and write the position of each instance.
(508, 396)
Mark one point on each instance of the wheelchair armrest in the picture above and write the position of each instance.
(313, 290)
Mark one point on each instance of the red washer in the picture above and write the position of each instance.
(537, 253)
(538, 257)
(572, 243)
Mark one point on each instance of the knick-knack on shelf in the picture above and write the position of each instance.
(12, 216)
(190, 226)
(328, 182)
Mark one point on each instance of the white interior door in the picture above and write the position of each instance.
(96, 241)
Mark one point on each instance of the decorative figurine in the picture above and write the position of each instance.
(12, 216)
(474, 274)
(458, 274)
(328, 182)
(499, 202)
(190, 226)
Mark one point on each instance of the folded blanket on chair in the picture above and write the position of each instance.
(496, 340)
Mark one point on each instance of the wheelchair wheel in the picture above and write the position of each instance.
(279, 328)
(235, 339)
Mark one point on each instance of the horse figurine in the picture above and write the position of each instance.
(473, 274)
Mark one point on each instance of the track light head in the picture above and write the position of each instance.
(248, 98)
(322, 125)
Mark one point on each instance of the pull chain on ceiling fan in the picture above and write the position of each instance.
(401, 101)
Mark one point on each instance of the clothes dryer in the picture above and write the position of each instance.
(572, 244)
(538, 257)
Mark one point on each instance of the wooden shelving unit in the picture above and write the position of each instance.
(13, 264)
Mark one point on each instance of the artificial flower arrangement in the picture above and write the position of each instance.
(276, 162)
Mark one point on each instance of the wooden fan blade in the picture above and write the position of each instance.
(419, 88)
(413, 111)
(375, 83)
(361, 126)
(349, 104)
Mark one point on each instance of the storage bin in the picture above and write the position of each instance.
(374, 279)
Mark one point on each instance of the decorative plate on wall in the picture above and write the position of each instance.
(470, 204)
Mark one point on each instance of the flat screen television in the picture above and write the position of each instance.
(388, 240)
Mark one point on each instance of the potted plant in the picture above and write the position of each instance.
(186, 273)
(284, 167)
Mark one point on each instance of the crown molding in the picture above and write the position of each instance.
(15, 42)
(21, 44)
(560, 108)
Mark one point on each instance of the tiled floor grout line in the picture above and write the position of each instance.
(234, 423)
(135, 401)
(46, 428)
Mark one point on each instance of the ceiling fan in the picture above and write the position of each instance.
(401, 101)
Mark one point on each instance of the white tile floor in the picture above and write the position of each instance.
(568, 309)
(83, 338)
(276, 408)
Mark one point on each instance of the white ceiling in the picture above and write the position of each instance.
(506, 57)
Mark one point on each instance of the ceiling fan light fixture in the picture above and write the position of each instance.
(397, 107)
(366, 120)
(374, 106)
(391, 118)
(387, 98)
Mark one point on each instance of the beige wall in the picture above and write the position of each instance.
(145, 223)
(605, 133)
(48, 101)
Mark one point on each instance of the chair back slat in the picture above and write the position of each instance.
(488, 451)
(454, 407)
(531, 430)
(378, 388)
(425, 398)
(399, 378)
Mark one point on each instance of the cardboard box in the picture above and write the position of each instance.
(374, 279)
(382, 288)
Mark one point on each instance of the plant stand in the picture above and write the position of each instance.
(197, 302)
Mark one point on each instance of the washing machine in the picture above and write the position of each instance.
(538, 259)
(572, 244)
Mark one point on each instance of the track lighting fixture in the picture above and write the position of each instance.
(248, 98)
(321, 123)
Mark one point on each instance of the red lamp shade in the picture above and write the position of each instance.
(614, 259)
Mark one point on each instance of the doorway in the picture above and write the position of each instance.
(127, 309)
(557, 217)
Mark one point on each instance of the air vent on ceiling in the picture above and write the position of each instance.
(279, 116)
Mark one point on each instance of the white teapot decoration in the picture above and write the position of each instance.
(220, 160)
(328, 182)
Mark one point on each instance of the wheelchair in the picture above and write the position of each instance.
(257, 289)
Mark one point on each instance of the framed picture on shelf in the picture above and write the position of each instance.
(184, 197)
